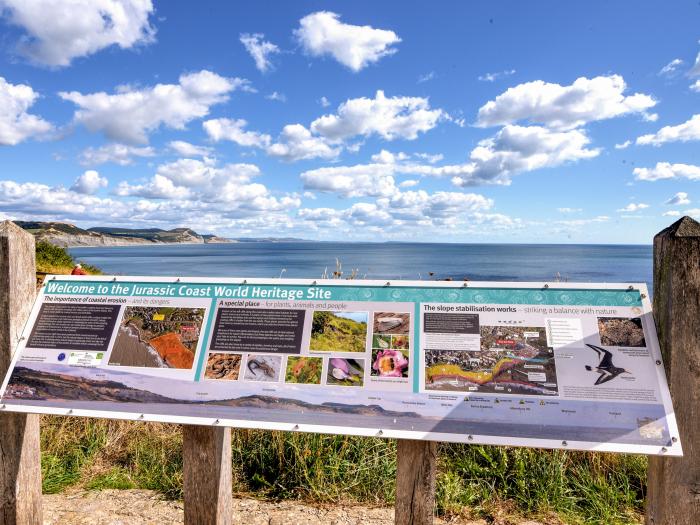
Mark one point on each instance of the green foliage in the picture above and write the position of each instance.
(54, 259)
(338, 334)
(320, 321)
(49, 256)
(479, 481)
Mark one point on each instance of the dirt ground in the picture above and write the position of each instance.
(142, 507)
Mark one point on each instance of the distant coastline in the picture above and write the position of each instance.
(66, 235)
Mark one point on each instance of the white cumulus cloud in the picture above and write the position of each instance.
(16, 124)
(513, 150)
(671, 213)
(363, 180)
(58, 32)
(355, 47)
(678, 199)
(89, 183)
(189, 150)
(389, 117)
(115, 153)
(260, 49)
(159, 187)
(411, 209)
(130, 114)
(687, 131)
(232, 130)
(567, 107)
(633, 207)
(518, 149)
(295, 142)
(666, 170)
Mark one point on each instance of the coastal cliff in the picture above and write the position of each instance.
(67, 235)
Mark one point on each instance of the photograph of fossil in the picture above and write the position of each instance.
(223, 366)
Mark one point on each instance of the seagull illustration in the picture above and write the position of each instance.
(607, 370)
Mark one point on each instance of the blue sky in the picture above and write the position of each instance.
(458, 122)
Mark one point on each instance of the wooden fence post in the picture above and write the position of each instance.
(415, 482)
(208, 491)
(674, 483)
(20, 456)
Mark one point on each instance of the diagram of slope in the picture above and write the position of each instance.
(512, 360)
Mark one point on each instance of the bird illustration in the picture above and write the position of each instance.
(607, 370)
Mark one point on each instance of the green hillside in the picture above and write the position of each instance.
(331, 332)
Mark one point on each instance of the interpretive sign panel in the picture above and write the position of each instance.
(557, 365)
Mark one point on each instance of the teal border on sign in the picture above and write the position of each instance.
(205, 343)
(416, 349)
(419, 294)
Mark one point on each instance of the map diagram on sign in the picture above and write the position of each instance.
(511, 360)
(157, 337)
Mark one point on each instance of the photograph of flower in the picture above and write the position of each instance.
(345, 372)
(389, 363)
(338, 331)
(304, 370)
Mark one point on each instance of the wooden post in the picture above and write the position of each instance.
(20, 456)
(208, 490)
(674, 483)
(415, 482)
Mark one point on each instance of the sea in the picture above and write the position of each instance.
(393, 260)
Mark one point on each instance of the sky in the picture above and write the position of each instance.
(499, 121)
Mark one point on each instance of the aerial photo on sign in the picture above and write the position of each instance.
(157, 337)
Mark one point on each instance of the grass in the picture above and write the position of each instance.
(51, 259)
(331, 332)
(495, 483)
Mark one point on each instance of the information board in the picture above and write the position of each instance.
(556, 365)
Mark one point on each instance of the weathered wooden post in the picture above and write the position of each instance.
(674, 483)
(20, 457)
(208, 491)
(415, 482)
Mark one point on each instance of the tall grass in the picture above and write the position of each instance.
(480, 481)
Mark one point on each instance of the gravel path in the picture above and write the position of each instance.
(142, 507)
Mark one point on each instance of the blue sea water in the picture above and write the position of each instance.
(483, 262)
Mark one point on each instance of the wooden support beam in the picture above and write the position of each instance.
(415, 482)
(20, 456)
(208, 490)
(674, 483)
